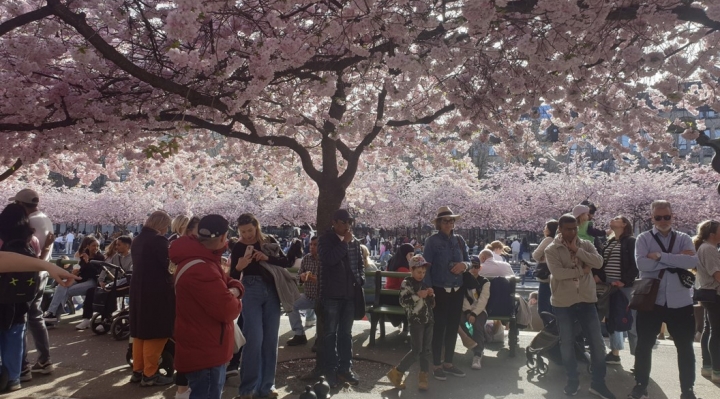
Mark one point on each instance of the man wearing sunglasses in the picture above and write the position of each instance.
(666, 254)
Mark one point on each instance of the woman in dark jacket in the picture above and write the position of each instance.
(620, 270)
(152, 300)
(15, 236)
(89, 250)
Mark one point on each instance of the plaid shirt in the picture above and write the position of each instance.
(312, 265)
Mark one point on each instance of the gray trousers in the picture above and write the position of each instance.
(36, 325)
(421, 347)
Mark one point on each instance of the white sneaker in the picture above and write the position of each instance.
(476, 363)
(100, 328)
(84, 324)
(184, 395)
(309, 323)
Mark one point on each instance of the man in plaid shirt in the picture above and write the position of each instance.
(308, 273)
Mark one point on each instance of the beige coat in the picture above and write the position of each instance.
(571, 281)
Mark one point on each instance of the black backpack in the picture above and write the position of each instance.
(18, 287)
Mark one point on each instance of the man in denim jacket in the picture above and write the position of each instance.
(447, 254)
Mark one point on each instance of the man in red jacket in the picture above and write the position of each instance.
(207, 302)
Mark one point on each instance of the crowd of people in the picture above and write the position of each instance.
(183, 288)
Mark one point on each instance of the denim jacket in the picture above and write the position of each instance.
(442, 252)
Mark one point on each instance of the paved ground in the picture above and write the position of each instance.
(90, 366)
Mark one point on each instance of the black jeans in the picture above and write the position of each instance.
(448, 309)
(420, 347)
(681, 326)
(711, 335)
(110, 304)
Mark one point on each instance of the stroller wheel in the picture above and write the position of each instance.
(98, 321)
(542, 367)
(120, 328)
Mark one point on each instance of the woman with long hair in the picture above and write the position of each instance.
(620, 270)
(15, 236)
(500, 251)
(708, 275)
(89, 250)
(152, 295)
(542, 271)
(251, 260)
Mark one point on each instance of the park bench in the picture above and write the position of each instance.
(501, 306)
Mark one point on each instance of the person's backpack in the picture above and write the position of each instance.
(619, 315)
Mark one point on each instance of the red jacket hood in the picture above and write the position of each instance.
(188, 248)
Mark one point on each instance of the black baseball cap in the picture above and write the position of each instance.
(212, 226)
(343, 214)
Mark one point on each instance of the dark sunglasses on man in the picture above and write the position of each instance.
(659, 217)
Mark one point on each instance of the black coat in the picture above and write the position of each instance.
(628, 267)
(152, 292)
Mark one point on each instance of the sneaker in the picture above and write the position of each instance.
(26, 374)
(348, 376)
(688, 395)
(452, 370)
(309, 323)
(184, 395)
(50, 317)
(136, 377)
(638, 392)
(612, 359)
(297, 340)
(571, 389)
(156, 380)
(601, 391)
(706, 372)
(14, 385)
(42, 368)
(231, 372)
(476, 363)
(439, 374)
(100, 329)
(84, 324)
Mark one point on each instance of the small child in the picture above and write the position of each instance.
(418, 300)
(475, 299)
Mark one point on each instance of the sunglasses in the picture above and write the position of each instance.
(665, 217)
(448, 221)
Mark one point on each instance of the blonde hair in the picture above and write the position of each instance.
(110, 250)
(369, 263)
(179, 224)
(704, 229)
(158, 221)
(498, 245)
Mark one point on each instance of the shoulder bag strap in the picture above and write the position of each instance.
(673, 235)
(185, 268)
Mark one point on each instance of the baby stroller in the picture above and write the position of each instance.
(546, 343)
(105, 303)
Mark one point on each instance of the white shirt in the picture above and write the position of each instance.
(70, 237)
(42, 225)
(515, 246)
(496, 268)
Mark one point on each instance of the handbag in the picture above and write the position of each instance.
(542, 271)
(645, 292)
(708, 295)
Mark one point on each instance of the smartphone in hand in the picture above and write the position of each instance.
(248, 251)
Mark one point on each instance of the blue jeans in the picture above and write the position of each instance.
(63, 293)
(12, 342)
(337, 341)
(207, 383)
(586, 315)
(302, 303)
(261, 322)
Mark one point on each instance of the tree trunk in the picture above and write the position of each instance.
(329, 200)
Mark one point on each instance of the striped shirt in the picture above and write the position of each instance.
(612, 261)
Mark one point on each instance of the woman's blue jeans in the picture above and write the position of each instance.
(12, 342)
(261, 323)
(63, 293)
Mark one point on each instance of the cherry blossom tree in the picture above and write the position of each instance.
(320, 87)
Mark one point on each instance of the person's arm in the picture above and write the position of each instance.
(12, 262)
(681, 260)
(218, 301)
(595, 232)
(557, 270)
(332, 253)
(280, 259)
(711, 262)
(589, 255)
(482, 301)
(642, 250)
(539, 252)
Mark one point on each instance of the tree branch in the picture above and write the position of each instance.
(24, 19)
(11, 170)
